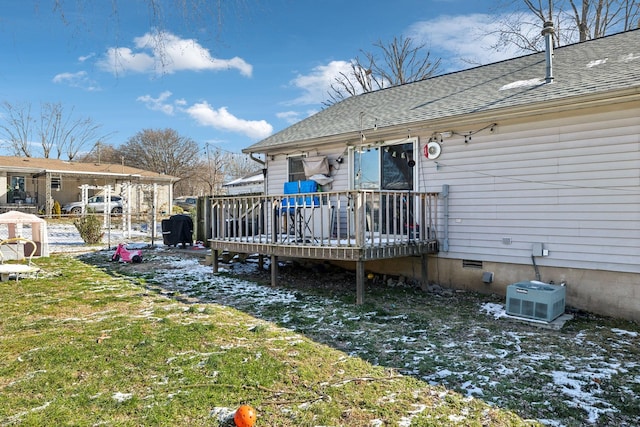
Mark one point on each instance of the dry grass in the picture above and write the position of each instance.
(87, 346)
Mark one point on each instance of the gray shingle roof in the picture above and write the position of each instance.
(598, 66)
(40, 165)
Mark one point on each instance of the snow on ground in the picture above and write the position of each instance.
(587, 375)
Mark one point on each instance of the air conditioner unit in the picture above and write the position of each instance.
(536, 300)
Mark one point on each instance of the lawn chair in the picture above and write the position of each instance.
(288, 207)
(20, 250)
(305, 212)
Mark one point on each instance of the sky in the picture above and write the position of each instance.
(257, 69)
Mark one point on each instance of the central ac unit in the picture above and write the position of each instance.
(536, 300)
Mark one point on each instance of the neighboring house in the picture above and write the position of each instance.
(251, 183)
(32, 184)
(535, 160)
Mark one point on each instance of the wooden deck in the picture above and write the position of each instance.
(353, 226)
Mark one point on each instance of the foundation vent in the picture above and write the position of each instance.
(470, 263)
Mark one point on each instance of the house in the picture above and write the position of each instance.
(534, 163)
(251, 183)
(32, 185)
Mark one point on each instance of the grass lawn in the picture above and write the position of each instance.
(83, 346)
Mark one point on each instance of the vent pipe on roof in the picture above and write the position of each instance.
(547, 32)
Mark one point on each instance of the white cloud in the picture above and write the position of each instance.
(80, 80)
(206, 115)
(159, 103)
(167, 53)
(86, 57)
(221, 119)
(292, 117)
(315, 86)
(462, 40)
(289, 116)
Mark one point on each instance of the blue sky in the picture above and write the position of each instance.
(267, 66)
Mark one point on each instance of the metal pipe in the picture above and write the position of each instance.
(547, 32)
(445, 215)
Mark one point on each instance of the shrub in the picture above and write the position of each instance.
(57, 209)
(90, 229)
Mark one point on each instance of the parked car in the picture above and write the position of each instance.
(95, 204)
(186, 202)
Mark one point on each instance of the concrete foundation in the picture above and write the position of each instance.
(606, 293)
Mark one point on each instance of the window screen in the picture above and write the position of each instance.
(296, 169)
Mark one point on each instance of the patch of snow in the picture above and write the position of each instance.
(16, 418)
(406, 421)
(492, 309)
(471, 389)
(597, 62)
(623, 332)
(630, 57)
(523, 83)
(224, 415)
(573, 385)
(122, 397)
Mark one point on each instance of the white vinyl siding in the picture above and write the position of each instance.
(278, 170)
(571, 184)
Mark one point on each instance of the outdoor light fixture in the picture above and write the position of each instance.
(467, 135)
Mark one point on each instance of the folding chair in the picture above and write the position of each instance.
(288, 207)
(305, 210)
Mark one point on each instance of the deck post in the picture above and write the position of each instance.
(359, 282)
(214, 260)
(360, 220)
(260, 262)
(274, 270)
(424, 272)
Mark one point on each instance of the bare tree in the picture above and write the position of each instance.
(17, 128)
(162, 151)
(64, 132)
(56, 130)
(102, 153)
(82, 132)
(239, 165)
(213, 170)
(401, 62)
(574, 21)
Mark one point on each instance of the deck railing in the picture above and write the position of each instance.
(331, 219)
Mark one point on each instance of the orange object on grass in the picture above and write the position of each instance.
(245, 416)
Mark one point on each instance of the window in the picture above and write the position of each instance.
(17, 193)
(396, 172)
(56, 183)
(366, 169)
(296, 169)
(17, 183)
(384, 168)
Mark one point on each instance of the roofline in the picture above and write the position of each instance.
(41, 171)
(111, 174)
(391, 132)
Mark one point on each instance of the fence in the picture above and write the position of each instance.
(63, 236)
